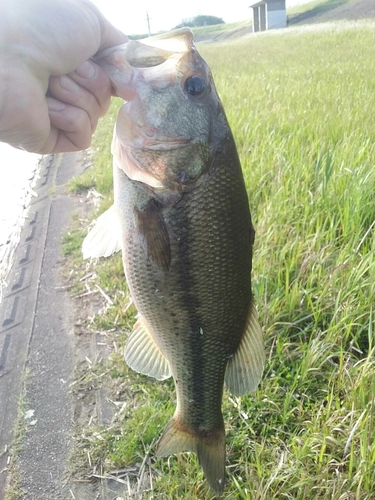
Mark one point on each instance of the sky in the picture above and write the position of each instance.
(130, 17)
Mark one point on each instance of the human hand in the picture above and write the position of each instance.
(51, 93)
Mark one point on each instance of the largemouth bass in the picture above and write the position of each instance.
(181, 217)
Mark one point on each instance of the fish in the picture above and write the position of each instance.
(181, 218)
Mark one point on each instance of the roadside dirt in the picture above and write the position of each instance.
(97, 396)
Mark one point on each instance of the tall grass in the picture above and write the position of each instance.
(302, 109)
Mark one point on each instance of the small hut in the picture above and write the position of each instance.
(268, 14)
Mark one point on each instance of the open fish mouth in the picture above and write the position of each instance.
(151, 60)
(149, 52)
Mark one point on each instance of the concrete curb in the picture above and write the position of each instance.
(37, 346)
(18, 309)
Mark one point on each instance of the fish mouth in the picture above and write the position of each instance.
(150, 60)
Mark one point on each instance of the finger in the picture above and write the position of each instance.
(70, 128)
(65, 90)
(94, 79)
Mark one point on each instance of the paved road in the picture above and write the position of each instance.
(37, 342)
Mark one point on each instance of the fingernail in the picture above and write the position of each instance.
(55, 105)
(68, 84)
(86, 70)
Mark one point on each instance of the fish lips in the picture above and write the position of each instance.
(133, 64)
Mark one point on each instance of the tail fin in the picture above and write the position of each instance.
(209, 447)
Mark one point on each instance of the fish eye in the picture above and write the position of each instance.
(195, 86)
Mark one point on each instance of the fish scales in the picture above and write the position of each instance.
(198, 307)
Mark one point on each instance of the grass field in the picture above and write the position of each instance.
(302, 109)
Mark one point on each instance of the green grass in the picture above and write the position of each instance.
(301, 106)
(100, 175)
(14, 490)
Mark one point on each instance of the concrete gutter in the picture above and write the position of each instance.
(37, 346)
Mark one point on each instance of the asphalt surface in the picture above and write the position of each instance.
(37, 347)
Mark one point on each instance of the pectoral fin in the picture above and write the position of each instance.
(143, 355)
(153, 231)
(245, 368)
(104, 239)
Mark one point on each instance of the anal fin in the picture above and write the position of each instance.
(245, 368)
(143, 355)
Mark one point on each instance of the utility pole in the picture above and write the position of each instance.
(148, 23)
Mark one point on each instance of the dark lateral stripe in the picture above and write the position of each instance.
(188, 284)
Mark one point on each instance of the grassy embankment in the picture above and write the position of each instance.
(301, 106)
(314, 8)
(215, 29)
(295, 14)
